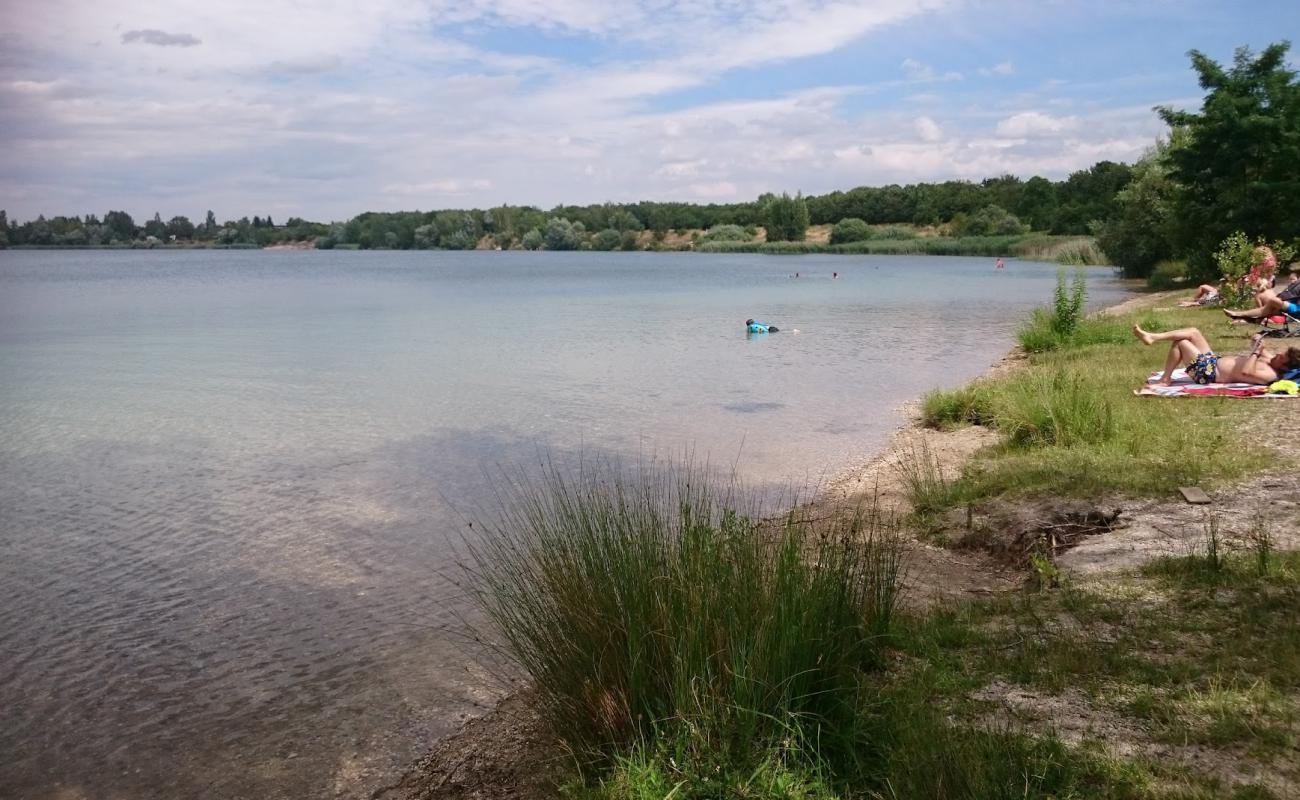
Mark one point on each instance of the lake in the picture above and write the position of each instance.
(231, 482)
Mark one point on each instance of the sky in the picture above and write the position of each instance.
(328, 108)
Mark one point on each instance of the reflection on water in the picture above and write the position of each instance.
(231, 483)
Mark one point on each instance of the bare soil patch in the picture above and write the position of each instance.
(506, 755)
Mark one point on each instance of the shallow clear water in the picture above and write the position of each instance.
(229, 480)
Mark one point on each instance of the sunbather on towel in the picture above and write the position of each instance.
(1190, 348)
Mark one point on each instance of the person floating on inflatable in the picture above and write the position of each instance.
(760, 327)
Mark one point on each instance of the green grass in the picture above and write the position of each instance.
(642, 602)
(1197, 651)
(1072, 427)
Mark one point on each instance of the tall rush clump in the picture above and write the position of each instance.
(644, 603)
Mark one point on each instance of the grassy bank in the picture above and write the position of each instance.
(686, 644)
(1075, 250)
(1071, 427)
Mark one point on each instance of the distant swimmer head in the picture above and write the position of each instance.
(749, 322)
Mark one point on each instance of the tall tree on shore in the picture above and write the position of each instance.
(786, 218)
(120, 225)
(1237, 168)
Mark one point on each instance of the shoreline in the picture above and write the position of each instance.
(491, 755)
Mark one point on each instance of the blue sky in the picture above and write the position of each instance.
(330, 108)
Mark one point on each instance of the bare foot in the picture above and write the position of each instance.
(1146, 338)
(1165, 382)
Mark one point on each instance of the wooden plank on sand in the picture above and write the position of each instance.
(1194, 495)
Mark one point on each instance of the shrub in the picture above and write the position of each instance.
(561, 234)
(990, 220)
(1168, 275)
(726, 233)
(851, 230)
(532, 240)
(458, 240)
(643, 601)
(607, 239)
(1241, 263)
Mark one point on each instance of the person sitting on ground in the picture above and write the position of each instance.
(1189, 346)
(1261, 277)
(1282, 301)
(1206, 294)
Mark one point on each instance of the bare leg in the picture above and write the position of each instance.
(1187, 344)
(1192, 335)
(1269, 304)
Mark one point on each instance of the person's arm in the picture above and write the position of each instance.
(1256, 368)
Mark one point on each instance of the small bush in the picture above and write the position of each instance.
(608, 239)
(726, 233)
(851, 229)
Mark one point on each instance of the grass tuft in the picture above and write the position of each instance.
(640, 602)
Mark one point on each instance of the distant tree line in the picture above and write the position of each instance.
(119, 228)
(1234, 166)
(1065, 207)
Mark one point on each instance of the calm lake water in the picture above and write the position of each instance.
(230, 481)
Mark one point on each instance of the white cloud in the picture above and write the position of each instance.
(1004, 69)
(1028, 124)
(928, 129)
(924, 73)
(332, 112)
(449, 186)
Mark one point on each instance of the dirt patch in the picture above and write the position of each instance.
(1014, 532)
(507, 755)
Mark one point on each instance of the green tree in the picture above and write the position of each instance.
(1139, 233)
(786, 218)
(607, 239)
(4, 229)
(1237, 168)
(426, 237)
(532, 240)
(210, 224)
(156, 227)
(120, 225)
(180, 227)
(40, 232)
(561, 234)
(1037, 204)
(1089, 195)
(988, 221)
